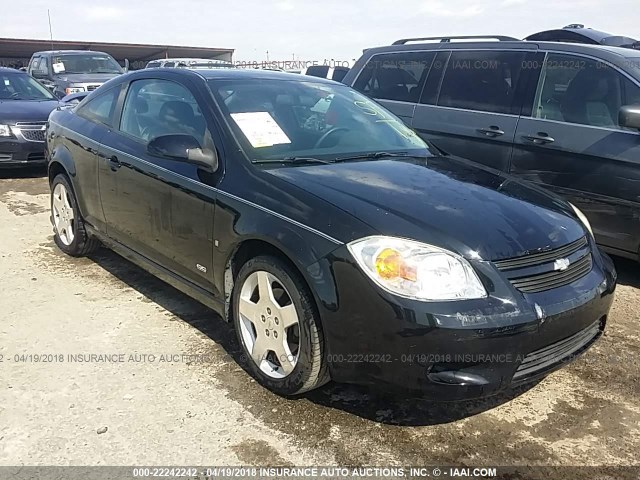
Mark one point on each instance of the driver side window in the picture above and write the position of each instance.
(155, 107)
(584, 91)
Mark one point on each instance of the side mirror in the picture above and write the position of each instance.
(629, 116)
(39, 74)
(126, 65)
(183, 148)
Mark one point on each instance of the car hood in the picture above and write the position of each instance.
(12, 111)
(86, 77)
(443, 201)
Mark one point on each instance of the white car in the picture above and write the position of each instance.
(188, 63)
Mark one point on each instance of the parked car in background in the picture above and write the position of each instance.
(337, 241)
(188, 63)
(577, 33)
(562, 115)
(325, 71)
(71, 71)
(25, 106)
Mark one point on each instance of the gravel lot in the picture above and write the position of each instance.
(204, 409)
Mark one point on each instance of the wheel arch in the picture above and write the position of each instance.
(250, 248)
(61, 162)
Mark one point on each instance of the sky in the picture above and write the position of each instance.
(304, 29)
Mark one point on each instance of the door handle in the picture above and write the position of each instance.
(114, 163)
(540, 139)
(493, 131)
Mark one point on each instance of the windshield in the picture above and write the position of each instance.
(281, 119)
(84, 63)
(20, 86)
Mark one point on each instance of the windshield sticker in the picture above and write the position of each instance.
(260, 128)
(58, 67)
(7, 82)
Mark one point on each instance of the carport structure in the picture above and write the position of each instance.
(16, 52)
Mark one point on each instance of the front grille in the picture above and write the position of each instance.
(31, 125)
(543, 271)
(558, 353)
(33, 135)
(32, 131)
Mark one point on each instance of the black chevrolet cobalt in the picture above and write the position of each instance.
(339, 244)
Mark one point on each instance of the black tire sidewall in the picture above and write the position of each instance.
(301, 299)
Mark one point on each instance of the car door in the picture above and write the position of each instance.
(471, 104)
(160, 208)
(572, 144)
(86, 129)
(395, 80)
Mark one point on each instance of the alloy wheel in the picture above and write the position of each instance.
(63, 216)
(269, 324)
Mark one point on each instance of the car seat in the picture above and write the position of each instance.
(177, 117)
(592, 98)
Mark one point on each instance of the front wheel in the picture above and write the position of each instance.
(278, 327)
(69, 231)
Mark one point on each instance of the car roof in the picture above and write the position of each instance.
(188, 59)
(59, 52)
(578, 33)
(237, 73)
(11, 70)
(507, 45)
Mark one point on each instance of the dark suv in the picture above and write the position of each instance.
(562, 115)
(71, 71)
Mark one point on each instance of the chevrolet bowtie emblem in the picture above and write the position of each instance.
(561, 264)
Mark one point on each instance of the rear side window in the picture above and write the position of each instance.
(100, 109)
(395, 76)
(482, 80)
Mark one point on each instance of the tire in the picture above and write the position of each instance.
(310, 370)
(69, 232)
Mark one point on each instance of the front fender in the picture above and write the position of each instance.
(237, 222)
(60, 157)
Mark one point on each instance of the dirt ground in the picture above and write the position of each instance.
(200, 407)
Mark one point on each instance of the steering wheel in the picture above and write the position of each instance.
(327, 134)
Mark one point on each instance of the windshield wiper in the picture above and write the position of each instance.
(371, 155)
(295, 160)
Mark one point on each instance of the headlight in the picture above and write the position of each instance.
(582, 218)
(416, 270)
(5, 131)
(70, 90)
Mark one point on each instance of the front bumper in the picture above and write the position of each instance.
(456, 350)
(17, 152)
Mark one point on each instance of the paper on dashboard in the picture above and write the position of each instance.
(260, 128)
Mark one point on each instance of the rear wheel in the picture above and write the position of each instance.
(278, 327)
(69, 231)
